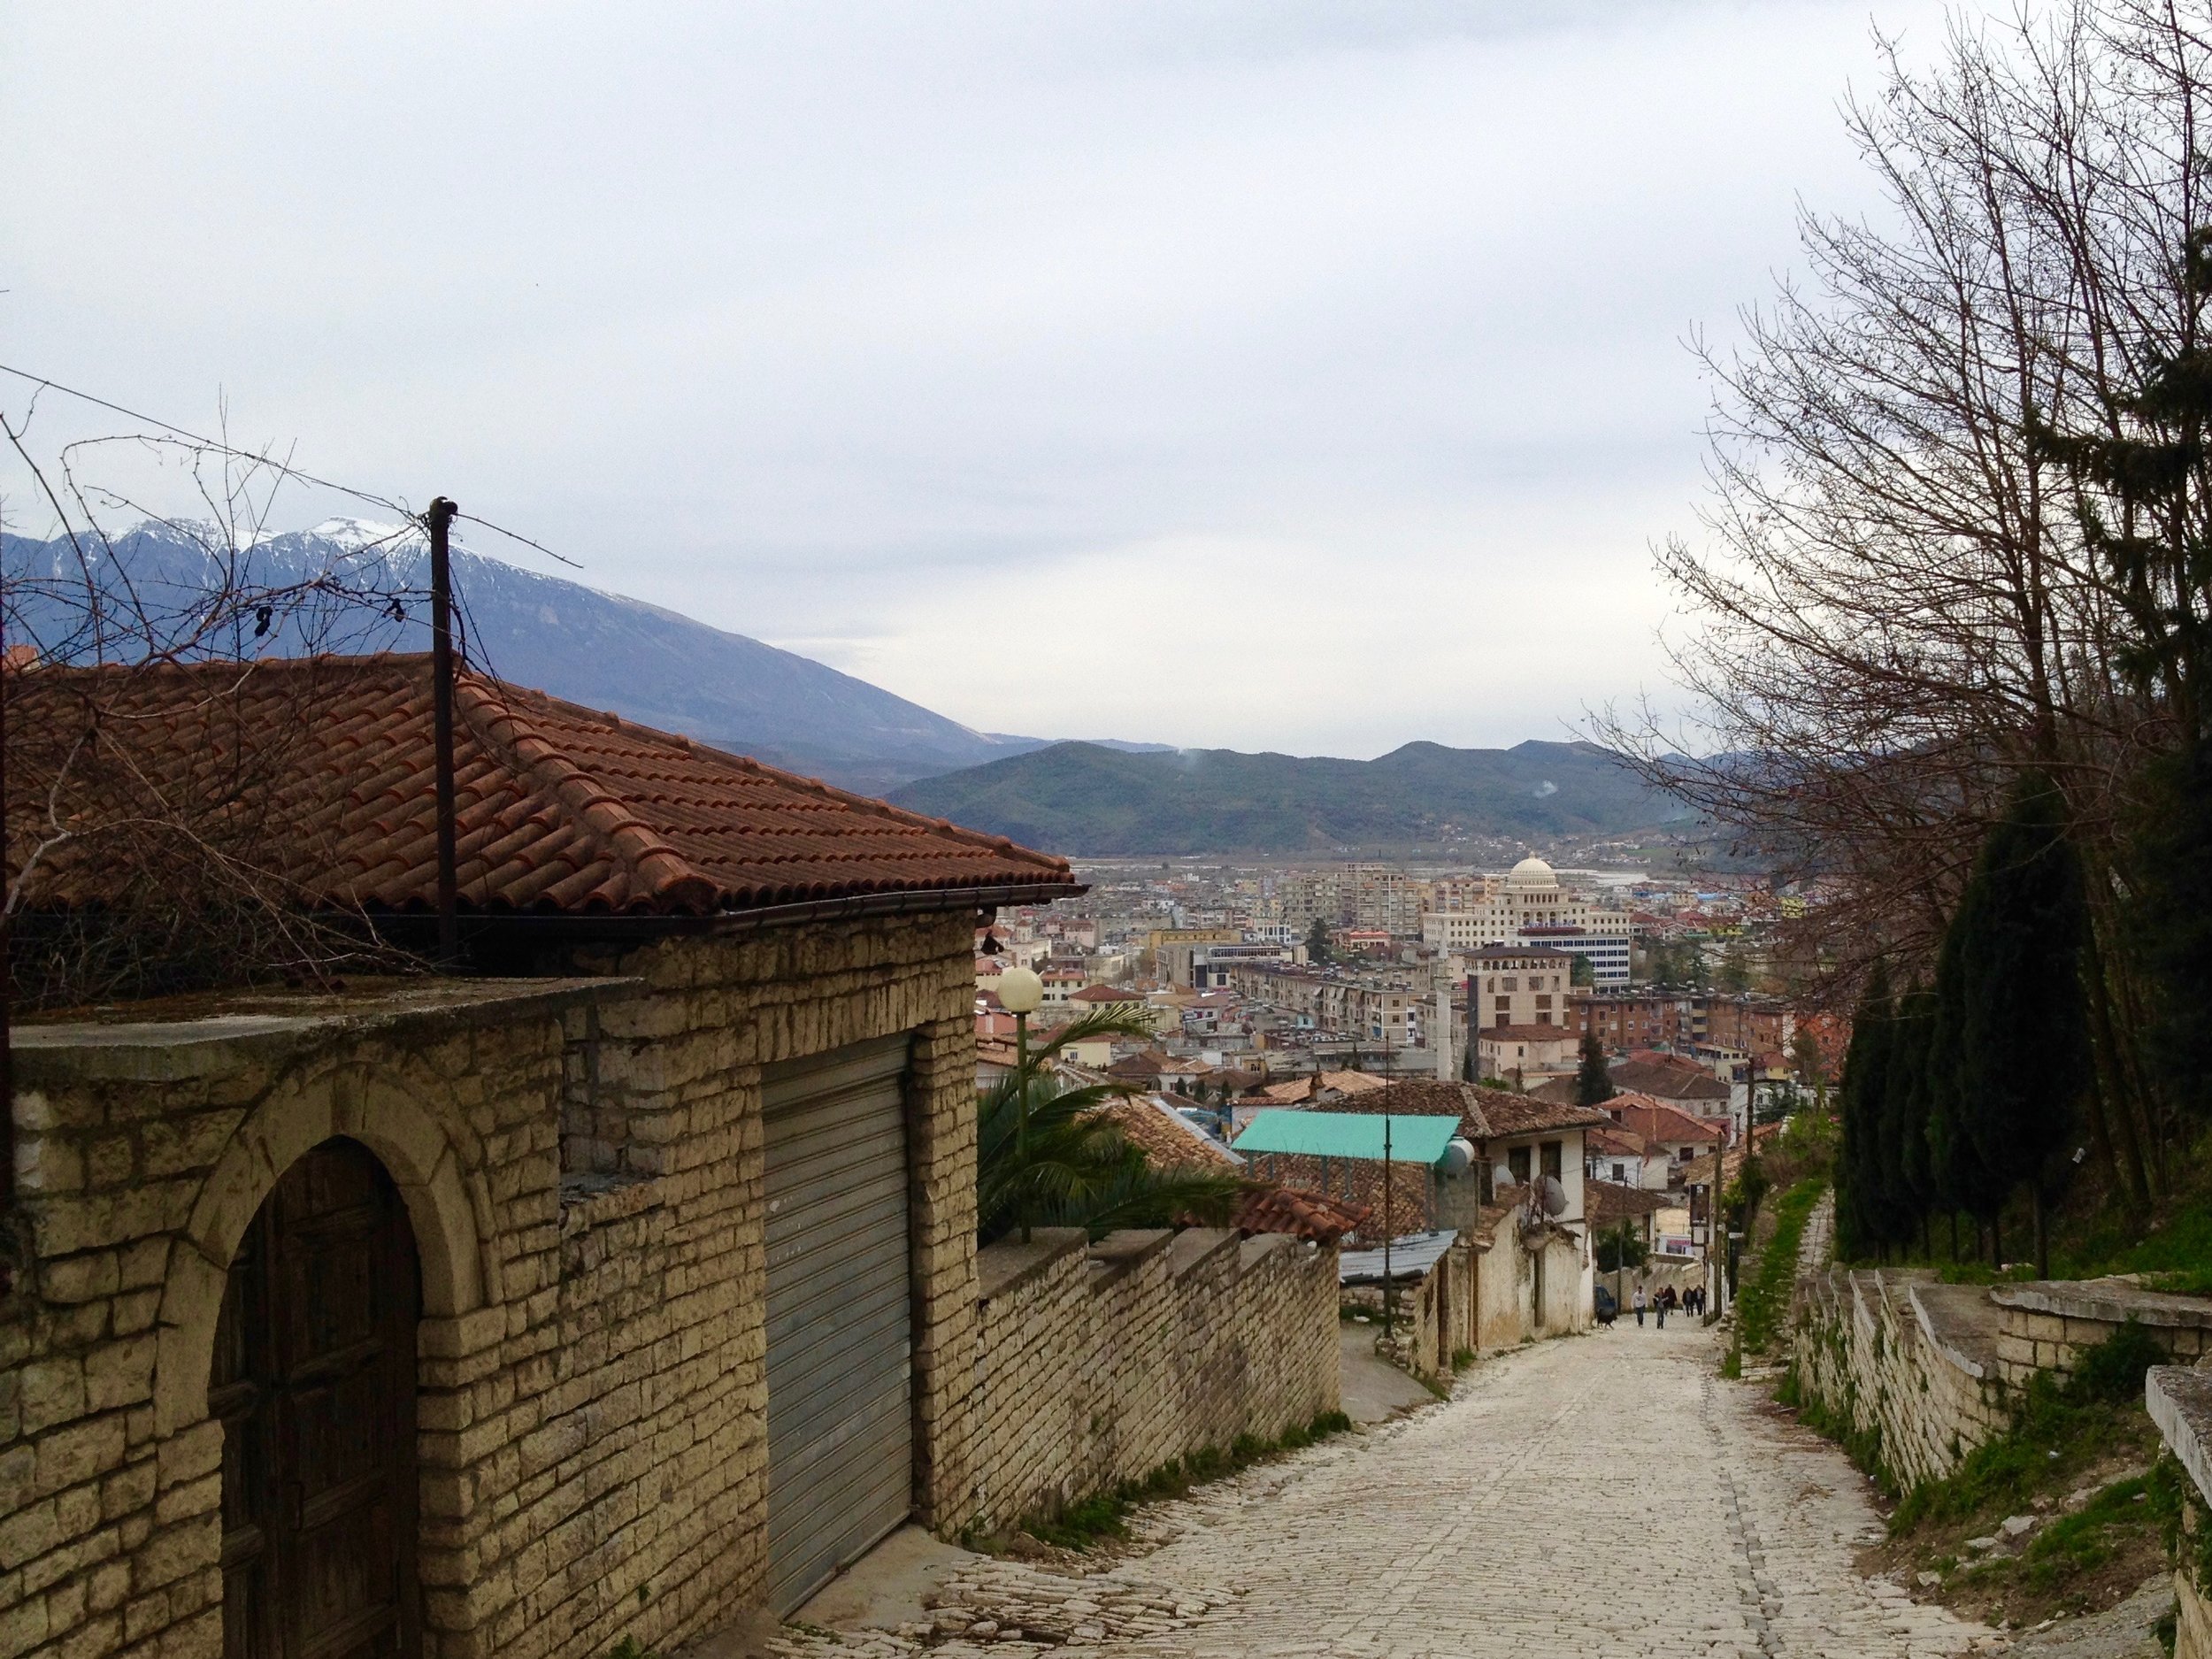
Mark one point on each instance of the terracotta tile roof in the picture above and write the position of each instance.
(1352, 1082)
(1673, 1081)
(1301, 1214)
(1524, 1115)
(1529, 1034)
(1485, 1114)
(561, 809)
(1658, 1121)
(1106, 993)
(1607, 1202)
(1615, 1141)
(1167, 1141)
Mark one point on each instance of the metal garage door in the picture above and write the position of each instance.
(840, 1328)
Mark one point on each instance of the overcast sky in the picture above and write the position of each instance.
(1278, 374)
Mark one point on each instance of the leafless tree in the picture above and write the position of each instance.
(142, 851)
(1896, 607)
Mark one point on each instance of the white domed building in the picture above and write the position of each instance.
(1528, 907)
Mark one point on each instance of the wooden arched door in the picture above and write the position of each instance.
(314, 1382)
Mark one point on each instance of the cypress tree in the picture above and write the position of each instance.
(1906, 1182)
(1594, 1084)
(1955, 1171)
(2023, 1053)
(1858, 1208)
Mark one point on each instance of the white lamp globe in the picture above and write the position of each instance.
(1020, 991)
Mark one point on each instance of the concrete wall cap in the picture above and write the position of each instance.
(2105, 1301)
(2179, 1400)
(268, 1026)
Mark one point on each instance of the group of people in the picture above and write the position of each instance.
(1691, 1300)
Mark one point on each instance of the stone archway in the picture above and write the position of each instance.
(448, 1207)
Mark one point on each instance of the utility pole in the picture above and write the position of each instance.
(440, 519)
(1390, 1285)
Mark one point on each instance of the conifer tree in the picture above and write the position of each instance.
(1955, 1171)
(1859, 1210)
(1594, 1084)
(2022, 1024)
(1908, 1181)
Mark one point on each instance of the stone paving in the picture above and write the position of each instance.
(1599, 1496)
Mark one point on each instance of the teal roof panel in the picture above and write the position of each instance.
(1414, 1138)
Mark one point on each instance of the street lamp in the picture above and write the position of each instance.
(1020, 993)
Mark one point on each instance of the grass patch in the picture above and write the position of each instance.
(1732, 1364)
(2084, 1541)
(2062, 1428)
(1765, 1298)
(1105, 1514)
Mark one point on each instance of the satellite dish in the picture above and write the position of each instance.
(1555, 1199)
(1459, 1156)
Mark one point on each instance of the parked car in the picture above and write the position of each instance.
(1607, 1308)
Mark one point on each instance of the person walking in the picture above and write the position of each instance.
(1659, 1305)
(1639, 1304)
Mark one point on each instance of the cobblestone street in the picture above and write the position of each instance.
(1606, 1495)
(1600, 1496)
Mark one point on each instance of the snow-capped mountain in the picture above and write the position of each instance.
(640, 661)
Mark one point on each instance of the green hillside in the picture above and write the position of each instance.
(1079, 798)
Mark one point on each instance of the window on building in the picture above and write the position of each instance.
(1511, 984)
(1543, 1000)
(1505, 1005)
(1517, 1160)
(1620, 1171)
(1551, 1149)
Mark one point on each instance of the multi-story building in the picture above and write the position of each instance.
(1689, 1022)
(1509, 985)
(1530, 907)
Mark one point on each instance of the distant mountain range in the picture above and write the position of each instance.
(1084, 798)
(639, 661)
(663, 669)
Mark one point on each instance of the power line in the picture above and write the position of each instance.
(286, 470)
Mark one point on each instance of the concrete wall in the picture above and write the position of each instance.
(592, 1386)
(1097, 1363)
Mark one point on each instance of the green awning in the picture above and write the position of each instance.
(1414, 1139)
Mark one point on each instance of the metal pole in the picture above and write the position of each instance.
(1390, 1285)
(1021, 1113)
(439, 518)
(7, 977)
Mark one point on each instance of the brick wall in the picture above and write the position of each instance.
(592, 1389)
(1097, 1363)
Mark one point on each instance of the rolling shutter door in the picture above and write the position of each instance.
(839, 1322)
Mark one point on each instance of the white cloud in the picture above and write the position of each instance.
(1296, 376)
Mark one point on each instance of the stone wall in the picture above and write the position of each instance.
(1903, 1361)
(1096, 1363)
(1931, 1370)
(2046, 1324)
(591, 1357)
(2180, 1403)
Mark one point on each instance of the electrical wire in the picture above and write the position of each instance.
(281, 467)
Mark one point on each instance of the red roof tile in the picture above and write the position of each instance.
(1301, 1214)
(560, 809)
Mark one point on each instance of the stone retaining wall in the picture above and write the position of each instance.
(1902, 1360)
(1096, 1363)
(2180, 1403)
(1931, 1370)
